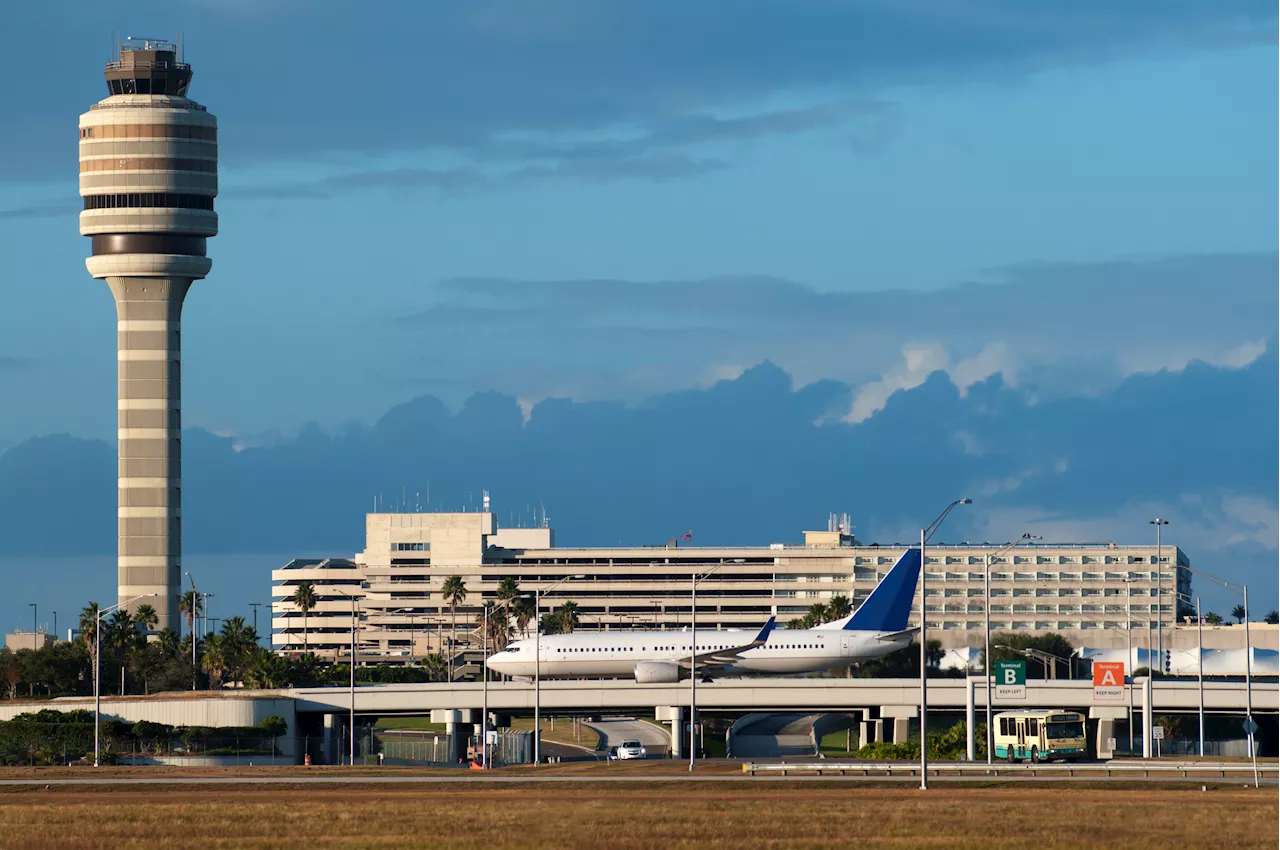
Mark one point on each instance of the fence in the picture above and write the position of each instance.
(414, 747)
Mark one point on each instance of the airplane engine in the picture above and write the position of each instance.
(657, 673)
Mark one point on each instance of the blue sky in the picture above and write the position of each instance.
(613, 201)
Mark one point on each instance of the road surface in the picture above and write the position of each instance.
(614, 730)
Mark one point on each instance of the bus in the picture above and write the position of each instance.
(1039, 735)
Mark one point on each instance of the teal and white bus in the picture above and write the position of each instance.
(1039, 735)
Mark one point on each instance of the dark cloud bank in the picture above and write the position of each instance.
(744, 461)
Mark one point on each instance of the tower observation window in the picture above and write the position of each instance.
(164, 200)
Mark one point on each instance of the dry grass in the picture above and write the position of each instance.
(589, 739)
(659, 815)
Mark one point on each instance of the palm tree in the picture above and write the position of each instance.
(1238, 613)
(214, 660)
(437, 669)
(266, 670)
(191, 605)
(167, 639)
(796, 623)
(304, 596)
(498, 624)
(817, 614)
(239, 641)
(568, 614)
(89, 625)
(838, 608)
(508, 588)
(550, 623)
(145, 615)
(122, 636)
(1272, 617)
(454, 593)
(522, 608)
(1213, 618)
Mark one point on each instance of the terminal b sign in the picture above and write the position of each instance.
(1108, 680)
(1011, 680)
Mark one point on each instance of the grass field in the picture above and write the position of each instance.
(588, 738)
(662, 814)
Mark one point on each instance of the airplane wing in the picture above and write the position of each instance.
(724, 657)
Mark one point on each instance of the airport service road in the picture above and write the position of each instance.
(614, 730)
(471, 778)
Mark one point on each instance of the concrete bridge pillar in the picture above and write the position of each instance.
(333, 737)
(871, 730)
(1147, 719)
(673, 714)
(901, 716)
(1106, 715)
(458, 726)
(970, 748)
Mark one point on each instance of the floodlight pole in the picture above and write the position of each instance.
(538, 591)
(925, 533)
(986, 585)
(97, 673)
(693, 664)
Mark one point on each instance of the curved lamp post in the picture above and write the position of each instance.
(925, 534)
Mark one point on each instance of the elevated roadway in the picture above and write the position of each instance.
(759, 694)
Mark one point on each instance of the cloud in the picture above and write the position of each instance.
(679, 73)
(57, 209)
(1038, 327)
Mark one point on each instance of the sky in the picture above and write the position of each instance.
(612, 202)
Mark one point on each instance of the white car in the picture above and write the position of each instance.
(631, 750)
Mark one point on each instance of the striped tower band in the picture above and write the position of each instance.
(148, 177)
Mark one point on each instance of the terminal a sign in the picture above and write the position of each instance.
(1011, 680)
(1108, 680)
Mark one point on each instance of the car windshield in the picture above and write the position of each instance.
(631, 744)
(1074, 729)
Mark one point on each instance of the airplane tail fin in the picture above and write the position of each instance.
(889, 605)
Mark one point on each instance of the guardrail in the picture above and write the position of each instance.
(1185, 769)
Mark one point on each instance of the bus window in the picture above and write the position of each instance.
(1067, 729)
(1033, 727)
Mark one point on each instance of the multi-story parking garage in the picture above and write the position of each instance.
(1089, 592)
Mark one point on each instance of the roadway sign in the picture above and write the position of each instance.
(1011, 680)
(1250, 726)
(1108, 680)
(1157, 733)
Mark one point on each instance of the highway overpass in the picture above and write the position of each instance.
(882, 708)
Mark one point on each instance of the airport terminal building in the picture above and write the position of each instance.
(1088, 592)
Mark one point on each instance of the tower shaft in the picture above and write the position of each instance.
(149, 354)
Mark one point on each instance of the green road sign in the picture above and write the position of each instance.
(1011, 673)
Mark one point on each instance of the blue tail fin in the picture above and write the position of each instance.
(889, 605)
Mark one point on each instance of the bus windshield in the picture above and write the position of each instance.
(1072, 729)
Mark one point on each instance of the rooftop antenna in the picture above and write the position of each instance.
(485, 500)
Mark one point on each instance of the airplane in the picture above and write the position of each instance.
(878, 627)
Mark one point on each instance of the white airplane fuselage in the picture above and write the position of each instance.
(616, 654)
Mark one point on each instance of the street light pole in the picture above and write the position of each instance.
(925, 534)
(97, 673)
(693, 671)
(484, 671)
(35, 611)
(693, 664)
(986, 585)
(254, 606)
(1128, 633)
(1159, 523)
(538, 591)
(195, 605)
(1200, 669)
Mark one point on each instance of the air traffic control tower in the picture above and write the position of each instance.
(148, 176)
